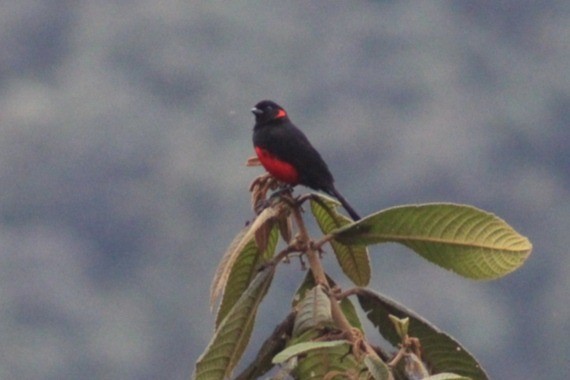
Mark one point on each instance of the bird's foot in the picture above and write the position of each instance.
(284, 189)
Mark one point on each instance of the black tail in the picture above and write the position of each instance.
(353, 214)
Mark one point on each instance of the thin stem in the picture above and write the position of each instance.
(348, 293)
(340, 319)
(323, 241)
(284, 253)
(312, 255)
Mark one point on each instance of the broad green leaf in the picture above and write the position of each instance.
(307, 336)
(317, 363)
(235, 248)
(313, 311)
(350, 313)
(440, 351)
(223, 269)
(378, 369)
(301, 348)
(274, 344)
(353, 259)
(346, 304)
(307, 284)
(460, 238)
(231, 337)
(244, 270)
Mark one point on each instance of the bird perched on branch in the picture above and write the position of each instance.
(286, 153)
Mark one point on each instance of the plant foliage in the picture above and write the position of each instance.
(323, 337)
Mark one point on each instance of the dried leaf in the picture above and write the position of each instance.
(262, 234)
(285, 224)
(253, 161)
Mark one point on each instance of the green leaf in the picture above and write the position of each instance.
(378, 369)
(231, 337)
(307, 284)
(440, 351)
(301, 348)
(307, 336)
(346, 304)
(236, 247)
(349, 311)
(401, 325)
(243, 271)
(314, 311)
(353, 259)
(460, 238)
(274, 344)
(318, 363)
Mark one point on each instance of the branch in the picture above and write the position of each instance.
(312, 254)
(320, 278)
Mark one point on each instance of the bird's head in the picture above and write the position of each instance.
(267, 110)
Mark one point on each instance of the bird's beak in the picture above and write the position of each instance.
(256, 111)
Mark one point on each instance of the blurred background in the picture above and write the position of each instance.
(125, 127)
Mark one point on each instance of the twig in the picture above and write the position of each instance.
(317, 245)
(312, 255)
(347, 293)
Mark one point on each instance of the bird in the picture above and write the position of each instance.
(286, 153)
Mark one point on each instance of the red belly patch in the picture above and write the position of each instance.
(283, 171)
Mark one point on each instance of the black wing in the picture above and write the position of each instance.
(290, 144)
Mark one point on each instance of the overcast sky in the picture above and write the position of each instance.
(125, 126)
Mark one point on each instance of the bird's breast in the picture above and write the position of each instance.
(282, 170)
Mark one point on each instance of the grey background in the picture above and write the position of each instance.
(125, 126)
